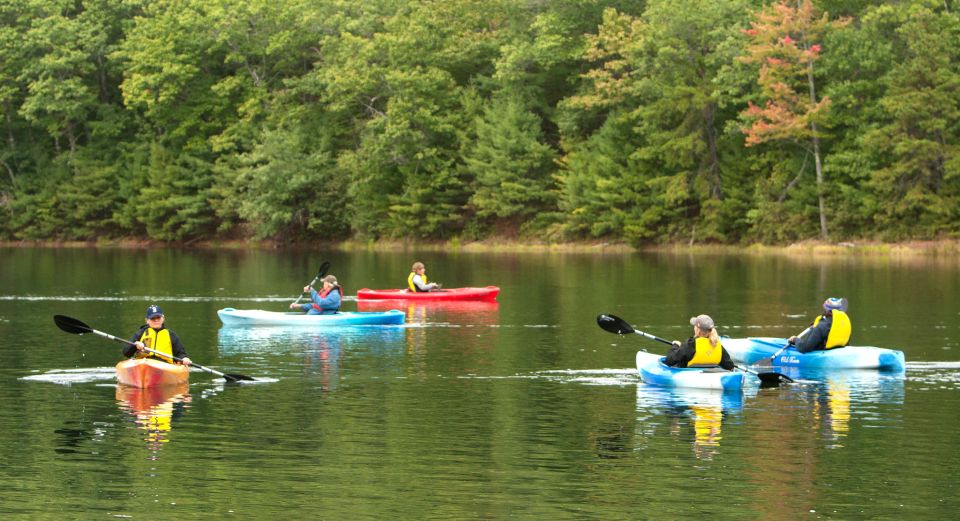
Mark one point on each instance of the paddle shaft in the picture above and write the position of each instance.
(154, 351)
(617, 325)
(784, 348)
(653, 337)
(76, 327)
(321, 272)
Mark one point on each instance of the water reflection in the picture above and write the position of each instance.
(477, 313)
(154, 409)
(696, 415)
(322, 349)
(836, 395)
(235, 340)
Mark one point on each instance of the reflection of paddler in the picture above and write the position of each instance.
(835, 409)
(707, 422)
(154, 407)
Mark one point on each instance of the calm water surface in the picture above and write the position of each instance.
(521, 408)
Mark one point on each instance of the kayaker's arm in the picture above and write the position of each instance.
(178, 350)
(815, 339)
(725, 361)
(680, 356)
(130, 350)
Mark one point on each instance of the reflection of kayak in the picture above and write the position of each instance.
(257, 317)
(476, 312)
(654, 372)
(142, 400)
(676, 398)
(147, 372)
(487, 293)
(440, 306)
(753, 350)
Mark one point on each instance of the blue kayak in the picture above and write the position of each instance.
(654, 372)
(257, 317)
(759, 350)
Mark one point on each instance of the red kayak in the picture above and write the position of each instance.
(147, 372)
(487, 293)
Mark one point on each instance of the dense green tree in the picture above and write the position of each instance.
(183, 120)
(511, 164)
(917, 184)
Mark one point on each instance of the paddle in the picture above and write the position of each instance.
(76, 327)
(320, 273)
(769, 360)
(619, 326)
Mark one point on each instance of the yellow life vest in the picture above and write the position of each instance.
(411, 285)
(839, 335)
(706, 355)
(158, 341)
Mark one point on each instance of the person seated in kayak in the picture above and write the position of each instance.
(417, 280)
(703, 349)
(155, 335)
(326, 301)
(830, 330)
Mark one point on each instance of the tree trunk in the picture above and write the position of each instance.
(819, 167)
(816, 155)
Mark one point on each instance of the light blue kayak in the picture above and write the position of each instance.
(258, 317)
(753, 350)
(654, 372)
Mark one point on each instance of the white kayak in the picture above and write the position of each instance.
(654, 372)
(760, 350)
(258, 317)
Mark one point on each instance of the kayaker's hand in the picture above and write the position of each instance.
(306, 289)
(185, 361)
(139, 345)
(792, 340)
(676, 343)
(294, 305)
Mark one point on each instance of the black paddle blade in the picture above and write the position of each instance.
(71, 325)
(773, 379)
(323, 269)
(614, 324)
(237, 377)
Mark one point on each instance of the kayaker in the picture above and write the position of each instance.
(703, 349)
(830, 330)
(417, 280)
(326, 301)
(156, 336)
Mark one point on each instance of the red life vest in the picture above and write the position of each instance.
(324, 295)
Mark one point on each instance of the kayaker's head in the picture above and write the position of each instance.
(154, 316)
(417, 267)
(834, 303)
(703, 326)
(702, 322)
(329, 282)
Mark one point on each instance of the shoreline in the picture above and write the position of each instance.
(805, 248)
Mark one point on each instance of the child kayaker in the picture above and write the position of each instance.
(703, 349)
(326, 301)
(831, 329)
(417, 280)
(156, 336)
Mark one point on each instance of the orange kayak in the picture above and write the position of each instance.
(147, 372)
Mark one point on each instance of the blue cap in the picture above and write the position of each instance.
(153, 311)
(835, 303)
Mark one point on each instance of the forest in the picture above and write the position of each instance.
(646, 122)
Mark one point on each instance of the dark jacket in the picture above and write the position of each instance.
(681, 356)
(816, 337)
(178, 349)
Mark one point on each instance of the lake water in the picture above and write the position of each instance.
(522, 408)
